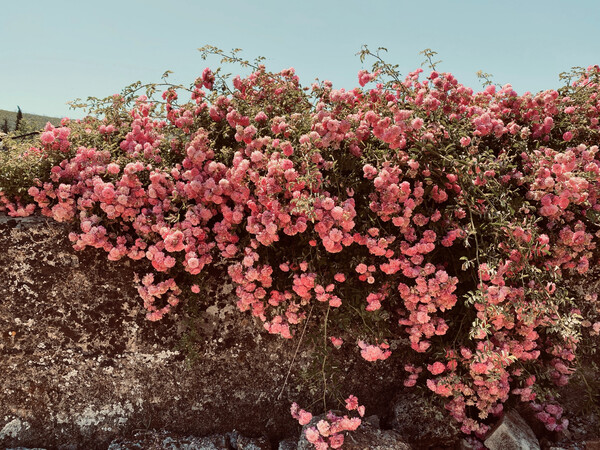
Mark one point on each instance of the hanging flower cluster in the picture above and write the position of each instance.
(329, 433)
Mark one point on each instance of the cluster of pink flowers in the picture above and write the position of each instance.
(55, 139)
(150, 292)
(550, 414)
(329, 433)
(358, 202)
(374, 352)
(414, 375)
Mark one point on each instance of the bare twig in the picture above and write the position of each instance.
(295, 354)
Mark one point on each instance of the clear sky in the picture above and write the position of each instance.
(55, 51)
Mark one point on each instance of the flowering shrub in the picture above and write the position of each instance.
(444, 220)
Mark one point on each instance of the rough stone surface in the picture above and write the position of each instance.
(24, 448)
(82, 366)
(156, 440)
(239, 442)
(288, 444)
(164, 440)
(512, 433)
(422, 424)
(593, 445)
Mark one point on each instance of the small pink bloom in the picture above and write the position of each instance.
(335, 302)
(350, 424)
(339, 277)
(208, 78)
(256, 156)
(336, 441)
(47, 137)
(328, 203)
(410, 382)
(337, 342)
(304, 417)
(361, 410)
(260, 117)
(436, 368)
(417, 123)
(174, 241)
(113, 168)
(323, 427)
(361, 268)
(364, 77)
(351, 403)
(373, 352)
(479, 368)
(312, 435)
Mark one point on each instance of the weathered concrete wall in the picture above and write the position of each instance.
(80, 365)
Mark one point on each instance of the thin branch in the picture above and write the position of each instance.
(295, 354)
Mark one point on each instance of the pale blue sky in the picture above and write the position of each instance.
(54, 51)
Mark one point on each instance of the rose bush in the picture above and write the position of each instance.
(429, 225)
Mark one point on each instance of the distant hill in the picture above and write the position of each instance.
(34, 119)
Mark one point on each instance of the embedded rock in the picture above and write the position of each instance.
(592, 445)
(156, 440)
(171, 441)
(25, 448)
(239, 442)
(512, 433)
(288, 444)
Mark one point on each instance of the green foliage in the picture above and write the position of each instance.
(21, 167)
(18, 119)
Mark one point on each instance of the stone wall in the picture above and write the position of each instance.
(81, 365)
